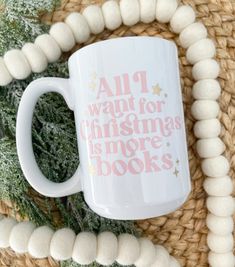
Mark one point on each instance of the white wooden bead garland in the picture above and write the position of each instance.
(192, 33)
(147, 10)
(205, 69)
(220, 225)
(165, 10)
(221, 259)
(112, 15)
(63, 35)
(62, 242)
(162, 259)
(5, 76)
(107, 248)
(147, 253)
(49, 46)
(18, 64)
(35, 56)
(202, 49)
(6, 226)
(182, 17)
(130, 12)
(20, 235)
(85, 248)
(95, 19)
(207, 89)
(39, 242)
(128, 249)
(79, 26)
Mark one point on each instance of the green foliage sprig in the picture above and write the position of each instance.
(53, 130)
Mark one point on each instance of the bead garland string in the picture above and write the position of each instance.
(85, 248)
(77, 27)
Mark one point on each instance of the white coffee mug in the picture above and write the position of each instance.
(126, 97)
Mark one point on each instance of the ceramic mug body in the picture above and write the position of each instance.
(127, 102)
(130, 126)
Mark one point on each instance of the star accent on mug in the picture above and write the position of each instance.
(168, 144)
(94, 75)
(92, 85)
(92, 170)
(166, 95)
(156, 89)
(176, 172)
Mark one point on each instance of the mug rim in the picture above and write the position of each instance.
(169, 42)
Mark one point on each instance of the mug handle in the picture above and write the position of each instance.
(24, 138)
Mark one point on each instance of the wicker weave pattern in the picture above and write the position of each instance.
(184, 231)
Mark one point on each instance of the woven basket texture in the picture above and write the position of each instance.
(183, 232)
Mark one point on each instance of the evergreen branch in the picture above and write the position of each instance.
(53, 132)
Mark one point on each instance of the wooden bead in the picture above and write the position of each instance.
(39, 242)
(112, 15)
(107, 248)
(147, 10)
(192, 33)
(220, 243)
(79, 26)
(6, 226)
(36, 58)
(94, 17)
(85, 247)
(63, 35)
(221, 259)
(205, 109)
(206, 69)
(128, 249)
(49, 47)
(130, 12)
(202, 49)
(210, 147)
(215, 167)
(62, 242)
(147, 253)
(206, 89)
(220, 225)
(218, 187)
(207, 128)
(5, 76)
(165, 10)
(20, 235)
(162, 257)
(174, 262)
(17, 64)
(220, 206)
(183, 16)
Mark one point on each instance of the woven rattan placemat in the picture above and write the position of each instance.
(183, 232)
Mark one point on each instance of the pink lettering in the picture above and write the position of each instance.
(119, 167)
(141, 76)
(135, 166)
(104, 88)
(94, 109)
(150, 162)
(126, 82)
(103, 167)
(167, 160)
(117, 80)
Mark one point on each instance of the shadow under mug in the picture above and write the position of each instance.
(127, 102)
